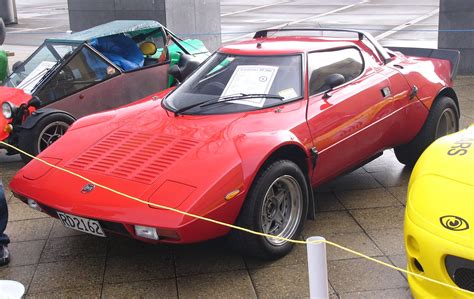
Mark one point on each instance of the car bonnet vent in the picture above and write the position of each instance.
(136, 156)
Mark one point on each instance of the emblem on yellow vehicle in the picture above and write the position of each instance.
(454, 223)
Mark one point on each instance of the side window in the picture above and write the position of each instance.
(86, 68)
(347, 62)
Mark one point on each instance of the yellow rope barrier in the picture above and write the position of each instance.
(238, 227)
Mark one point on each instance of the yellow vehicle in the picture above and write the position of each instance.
(439, 218)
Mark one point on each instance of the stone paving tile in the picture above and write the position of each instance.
(400, 261)
(23, 274)
(330, 222)
(123, 246)
(29, 230)
(372, 198)
(163, 288)
(90, 292)
(390, 241)
(380, 218)
(327, 201)
(233, 284)
(393, 178)
(25, 253)
(58, 249)
(57, 276)
(20, 211)
(401, 293)
(298, 256)
(400, 193)
(208, 257)
(356, 275)
(356, 241)
(139, 267)
(387, 161)
(353, 181)
(281, 282)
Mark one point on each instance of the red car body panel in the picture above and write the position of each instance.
(14, 96)
(192, 162)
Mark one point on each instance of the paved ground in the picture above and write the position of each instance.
(362, 210)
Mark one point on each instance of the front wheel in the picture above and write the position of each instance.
(43, 134)
(442, 120)
(276, 205)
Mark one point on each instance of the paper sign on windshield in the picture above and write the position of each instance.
(251, 79)
(30, 81)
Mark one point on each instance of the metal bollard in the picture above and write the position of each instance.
(317, 268)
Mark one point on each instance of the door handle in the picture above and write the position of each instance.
(386, 92)
(414, 92)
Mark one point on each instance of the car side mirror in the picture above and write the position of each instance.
(333, 81)
(16, 66)
(34, 102)
(175, 71)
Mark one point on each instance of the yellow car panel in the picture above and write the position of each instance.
(439, 218)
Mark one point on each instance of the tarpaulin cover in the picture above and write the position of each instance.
(121, 50)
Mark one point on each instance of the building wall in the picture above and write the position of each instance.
(186, 18)
(458, 15)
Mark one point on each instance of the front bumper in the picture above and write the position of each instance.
(172, 227)
(426, 255)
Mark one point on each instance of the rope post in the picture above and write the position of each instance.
(317, 268)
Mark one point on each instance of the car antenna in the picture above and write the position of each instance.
(259, 44)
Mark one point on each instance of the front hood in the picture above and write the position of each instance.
(441, 189)
(144, 157)
(16, 97)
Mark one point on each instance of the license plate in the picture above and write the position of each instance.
(81, 224)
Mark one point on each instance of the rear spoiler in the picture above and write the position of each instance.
(453, 56)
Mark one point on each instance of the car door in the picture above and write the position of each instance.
(348, 124)
(89, 83)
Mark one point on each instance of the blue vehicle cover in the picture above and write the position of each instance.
(121, 50)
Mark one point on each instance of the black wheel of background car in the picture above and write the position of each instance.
(276, 204)
(442, 120)
(43, 134)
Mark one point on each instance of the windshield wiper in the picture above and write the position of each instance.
(48, 73)
(230, 98)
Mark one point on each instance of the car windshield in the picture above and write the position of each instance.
(228, 83)
(30, 73)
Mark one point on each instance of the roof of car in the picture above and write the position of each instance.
(111, 28)
(286, 45)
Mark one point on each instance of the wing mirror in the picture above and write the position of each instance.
(34, 102)
(331, 82)
(175, 71)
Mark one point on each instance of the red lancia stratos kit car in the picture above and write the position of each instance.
(245, 138)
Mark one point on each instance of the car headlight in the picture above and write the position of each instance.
(8, 110)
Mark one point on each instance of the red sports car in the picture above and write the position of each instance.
(246, 138)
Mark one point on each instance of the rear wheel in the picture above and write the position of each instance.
(442, 120)
(276, 205)
(43, 134)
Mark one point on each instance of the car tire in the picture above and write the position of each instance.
(281, 179)
(442, 120)
(43, 134)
